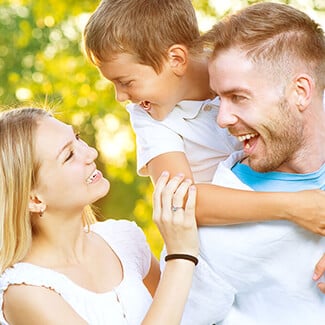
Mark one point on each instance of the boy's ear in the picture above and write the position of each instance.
(178, 58)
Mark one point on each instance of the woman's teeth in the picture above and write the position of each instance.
(91, 178)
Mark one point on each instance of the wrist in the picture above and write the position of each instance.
(180, 256)
(288, 207)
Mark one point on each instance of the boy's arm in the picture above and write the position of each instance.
(218, 205)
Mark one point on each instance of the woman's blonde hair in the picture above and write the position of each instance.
(18, 175)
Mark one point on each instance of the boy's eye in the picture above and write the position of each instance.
(125, 83)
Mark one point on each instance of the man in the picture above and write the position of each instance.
(268, 67)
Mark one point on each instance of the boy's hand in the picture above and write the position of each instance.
(319, 271)
(309, 210)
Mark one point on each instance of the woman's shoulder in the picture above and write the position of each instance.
(25, 279)
(30, 274)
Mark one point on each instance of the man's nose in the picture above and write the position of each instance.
(225, 116)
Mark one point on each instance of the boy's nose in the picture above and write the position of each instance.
(121, 96)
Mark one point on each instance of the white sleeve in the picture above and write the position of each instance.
(152, 137)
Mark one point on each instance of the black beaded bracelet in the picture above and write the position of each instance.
(183, 257)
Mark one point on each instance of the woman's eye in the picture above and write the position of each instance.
(77, 135)
(69, 156)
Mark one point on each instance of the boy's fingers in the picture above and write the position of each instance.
(321, 286)
(319, 268)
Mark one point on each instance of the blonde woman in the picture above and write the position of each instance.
(58, 264)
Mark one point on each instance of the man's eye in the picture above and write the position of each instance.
(237, 98)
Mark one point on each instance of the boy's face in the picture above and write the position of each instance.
(156, 93)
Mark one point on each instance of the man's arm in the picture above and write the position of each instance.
(218, 205)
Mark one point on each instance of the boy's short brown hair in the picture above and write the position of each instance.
(144, 28)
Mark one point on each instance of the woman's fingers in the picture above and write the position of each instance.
(190, 207)
(157, 200)
(174, 213)
(177, 201)
(168, 192)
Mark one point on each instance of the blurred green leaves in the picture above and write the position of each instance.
(42, 62)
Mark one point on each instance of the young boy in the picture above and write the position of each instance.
(151, 51)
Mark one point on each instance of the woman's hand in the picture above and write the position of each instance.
(176, 224)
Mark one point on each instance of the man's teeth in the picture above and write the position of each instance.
(92, 177)
(242, 138)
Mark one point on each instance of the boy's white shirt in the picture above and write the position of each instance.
(190, 128)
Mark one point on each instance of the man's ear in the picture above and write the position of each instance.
(178, 58)
(36, 205)
(304, 86)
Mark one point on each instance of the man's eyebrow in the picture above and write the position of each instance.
(67, 145)
(234, 90)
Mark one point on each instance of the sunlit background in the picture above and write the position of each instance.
(42, 62)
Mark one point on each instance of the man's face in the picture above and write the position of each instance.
(257, 110)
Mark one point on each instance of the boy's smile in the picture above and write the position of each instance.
(157, 93)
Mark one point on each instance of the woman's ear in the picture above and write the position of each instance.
(178, 58)
(35, 205)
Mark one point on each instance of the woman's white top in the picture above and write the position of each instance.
(126, 304)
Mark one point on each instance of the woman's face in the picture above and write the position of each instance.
(68, 179)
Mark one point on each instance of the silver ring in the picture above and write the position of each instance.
(174, 209)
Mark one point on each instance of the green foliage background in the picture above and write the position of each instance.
(41, 61)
